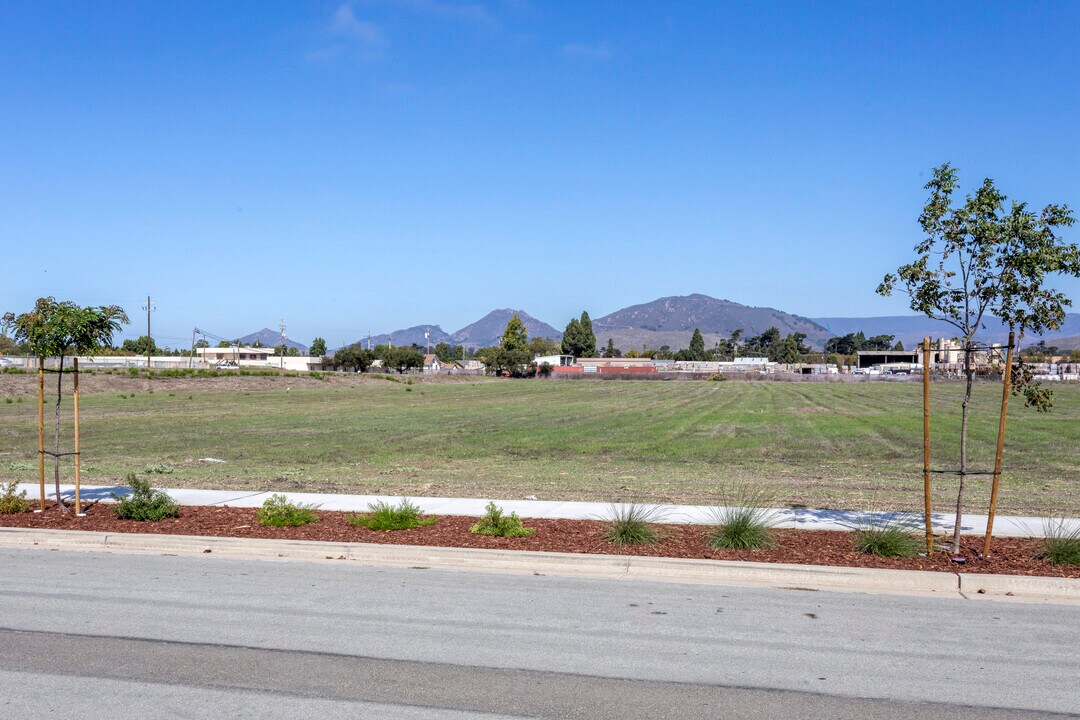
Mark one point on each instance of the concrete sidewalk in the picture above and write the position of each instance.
(805, 519)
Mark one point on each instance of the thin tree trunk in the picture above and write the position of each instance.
(969, 372)
(56, 457)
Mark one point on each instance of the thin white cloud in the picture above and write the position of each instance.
(345, 24)
(348, 36)
(600, 52)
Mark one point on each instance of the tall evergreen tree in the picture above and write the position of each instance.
(697, 346)
(571, 338)
(588, 338)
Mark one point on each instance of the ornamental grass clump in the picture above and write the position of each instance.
(495, 523)
(742, 528)
(889, 536)
(1061, 544)
(144, 502)
(14, 503)
(384, 516)
(278, 511)
(743, 520)
(632, 524)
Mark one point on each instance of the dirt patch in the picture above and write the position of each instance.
(1013, 556)
(26, 384)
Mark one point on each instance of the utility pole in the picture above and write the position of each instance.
(149, 309)
(427, 340)
(281, 364)
(191, 357)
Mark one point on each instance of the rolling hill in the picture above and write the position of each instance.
(671, 321)
(488, 330)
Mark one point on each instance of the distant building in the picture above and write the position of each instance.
(233, 354)
(554, 360)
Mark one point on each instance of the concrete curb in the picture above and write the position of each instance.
(705, 572)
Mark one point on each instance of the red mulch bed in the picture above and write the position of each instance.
(1015, 556)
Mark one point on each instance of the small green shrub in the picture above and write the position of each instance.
(158, 469)
(9, 401)
(144, 502)
(742, 528)
(717, 377)
(21, 466)
(13, 503)
(384, 516)
(493, 522)
(278, 511)
(1061, 545)
(888, 538)
(133, 372)
(743, 519)
(632, 524)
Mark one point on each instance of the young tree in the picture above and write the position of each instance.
(899, 346)
(978, 259)
(515, 337)
(318, 347)
(55, 329)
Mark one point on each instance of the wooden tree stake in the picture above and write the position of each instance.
(1000, 447)
(926, 445)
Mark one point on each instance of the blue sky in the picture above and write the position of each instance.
(376, 164)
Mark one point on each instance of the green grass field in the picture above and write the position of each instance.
(854, 445)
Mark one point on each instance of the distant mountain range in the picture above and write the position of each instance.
(272, 338)
(672, 320)
(488, 330)
(667, 321)
(911, 329)
(485, 332)
(409, 336)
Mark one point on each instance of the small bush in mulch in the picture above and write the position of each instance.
(13, 503)
(632, 524)
(158, 469)
(1061, 546)
(277, 511)
(889, 538)
(145, 502)
(384, 516)
(742, 528)
(495, 523)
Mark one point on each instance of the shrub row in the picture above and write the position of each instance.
(736, 526)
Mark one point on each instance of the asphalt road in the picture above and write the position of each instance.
(98, 635)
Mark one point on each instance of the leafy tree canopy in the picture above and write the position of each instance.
(515, 337)
(56, 329)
